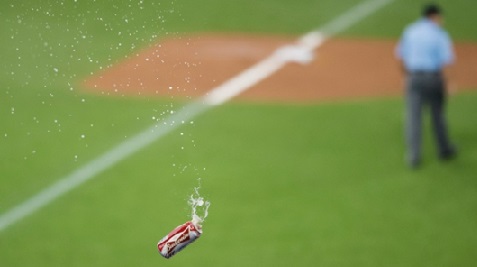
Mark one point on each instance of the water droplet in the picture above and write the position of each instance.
(200, 202)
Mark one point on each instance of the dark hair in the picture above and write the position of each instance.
(430, 10)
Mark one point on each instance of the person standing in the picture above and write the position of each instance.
(424, 50)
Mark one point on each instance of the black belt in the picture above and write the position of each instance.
(425, 72)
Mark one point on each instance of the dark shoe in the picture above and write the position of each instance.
(449, 154)
(414, 164)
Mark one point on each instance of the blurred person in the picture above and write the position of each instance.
(424, 50)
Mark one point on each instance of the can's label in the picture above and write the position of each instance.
(178, 239)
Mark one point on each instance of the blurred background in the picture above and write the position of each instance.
(320, 184)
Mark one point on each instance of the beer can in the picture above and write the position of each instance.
(179, 238)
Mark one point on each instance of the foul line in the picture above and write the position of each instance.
(301, 51)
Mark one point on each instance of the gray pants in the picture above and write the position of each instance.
(425, 88)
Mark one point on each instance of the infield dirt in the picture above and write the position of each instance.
(190, 66)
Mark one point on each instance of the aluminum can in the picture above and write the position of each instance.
(178, 239)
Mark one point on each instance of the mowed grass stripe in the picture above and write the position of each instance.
(136, 143)
(329, 179)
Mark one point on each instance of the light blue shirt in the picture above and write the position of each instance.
(425, 46)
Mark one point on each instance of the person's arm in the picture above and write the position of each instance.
(447, 54)
(446, 51)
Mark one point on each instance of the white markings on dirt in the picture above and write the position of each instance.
(295, 54)
(244, 80)
(299, 52)
(263, 69)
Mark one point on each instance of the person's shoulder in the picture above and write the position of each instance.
(413, 26)
(416, 24)
(443, 32)
(444, 35)
(439, 30)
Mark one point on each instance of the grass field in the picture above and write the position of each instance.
(290, 185)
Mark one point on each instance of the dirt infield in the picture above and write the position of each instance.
(342, 68)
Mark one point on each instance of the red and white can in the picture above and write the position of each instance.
(179, 238)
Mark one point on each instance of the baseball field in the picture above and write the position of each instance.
(104, 135)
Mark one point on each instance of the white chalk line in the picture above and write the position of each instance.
(299, 51)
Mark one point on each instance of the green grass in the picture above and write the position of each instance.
(390, 21)
(290, 185)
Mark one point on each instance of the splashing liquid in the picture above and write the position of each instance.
(199, 206)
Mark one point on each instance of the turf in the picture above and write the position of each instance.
(289, 185)
(390, 21)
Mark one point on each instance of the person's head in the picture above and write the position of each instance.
(432, 12)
